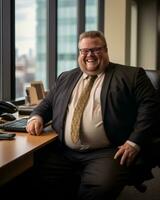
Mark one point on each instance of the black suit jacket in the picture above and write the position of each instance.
(128, 103)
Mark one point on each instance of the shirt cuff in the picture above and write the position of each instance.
(136, 146)
(34, 118)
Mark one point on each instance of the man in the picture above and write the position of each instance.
(115, 124)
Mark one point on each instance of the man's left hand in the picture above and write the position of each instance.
(126, 153)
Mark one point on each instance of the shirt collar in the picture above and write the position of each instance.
(85, 76)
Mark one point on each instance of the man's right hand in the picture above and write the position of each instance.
(35, 125)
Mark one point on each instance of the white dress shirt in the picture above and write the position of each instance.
(92, 133)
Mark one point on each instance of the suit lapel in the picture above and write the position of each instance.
(105, 87)
(70, 85)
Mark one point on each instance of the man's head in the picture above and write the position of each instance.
(93, 53)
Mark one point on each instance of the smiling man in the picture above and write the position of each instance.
(103, 113)
(93, 58)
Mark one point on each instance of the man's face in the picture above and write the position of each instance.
(93, 56)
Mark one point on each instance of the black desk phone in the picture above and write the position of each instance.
(7, 107)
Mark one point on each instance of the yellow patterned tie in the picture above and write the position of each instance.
(82, 101)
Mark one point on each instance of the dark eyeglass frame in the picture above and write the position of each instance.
(96, 50)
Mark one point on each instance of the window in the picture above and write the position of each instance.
(68, 30)
(38, 40)
(91, 15)
(30, 43)
(67, 35)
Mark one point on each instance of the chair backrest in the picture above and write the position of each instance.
(154, 76)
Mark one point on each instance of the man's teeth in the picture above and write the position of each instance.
(90, 61)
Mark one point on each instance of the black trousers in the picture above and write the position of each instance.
(62, 173)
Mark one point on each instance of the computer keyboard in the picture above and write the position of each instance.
(18, 125)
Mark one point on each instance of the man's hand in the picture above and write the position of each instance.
(35, 125)
(126, 153)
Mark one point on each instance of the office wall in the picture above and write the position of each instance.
(147, 33)
(117, 30)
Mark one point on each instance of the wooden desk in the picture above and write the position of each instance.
(17, 155)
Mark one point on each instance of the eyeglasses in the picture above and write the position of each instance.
(96, 50)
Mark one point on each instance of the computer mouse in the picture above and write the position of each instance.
(7, 116)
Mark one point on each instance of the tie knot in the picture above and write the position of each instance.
(93, 77)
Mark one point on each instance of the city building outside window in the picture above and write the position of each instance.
(67, 30)
(30, 43)
(31, 37)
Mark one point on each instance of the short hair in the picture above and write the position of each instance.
(93, 34)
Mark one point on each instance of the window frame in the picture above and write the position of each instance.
(7, 52)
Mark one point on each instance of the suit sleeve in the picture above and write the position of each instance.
(147, 109)
(45, 108)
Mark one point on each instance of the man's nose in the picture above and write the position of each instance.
(90, 52)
